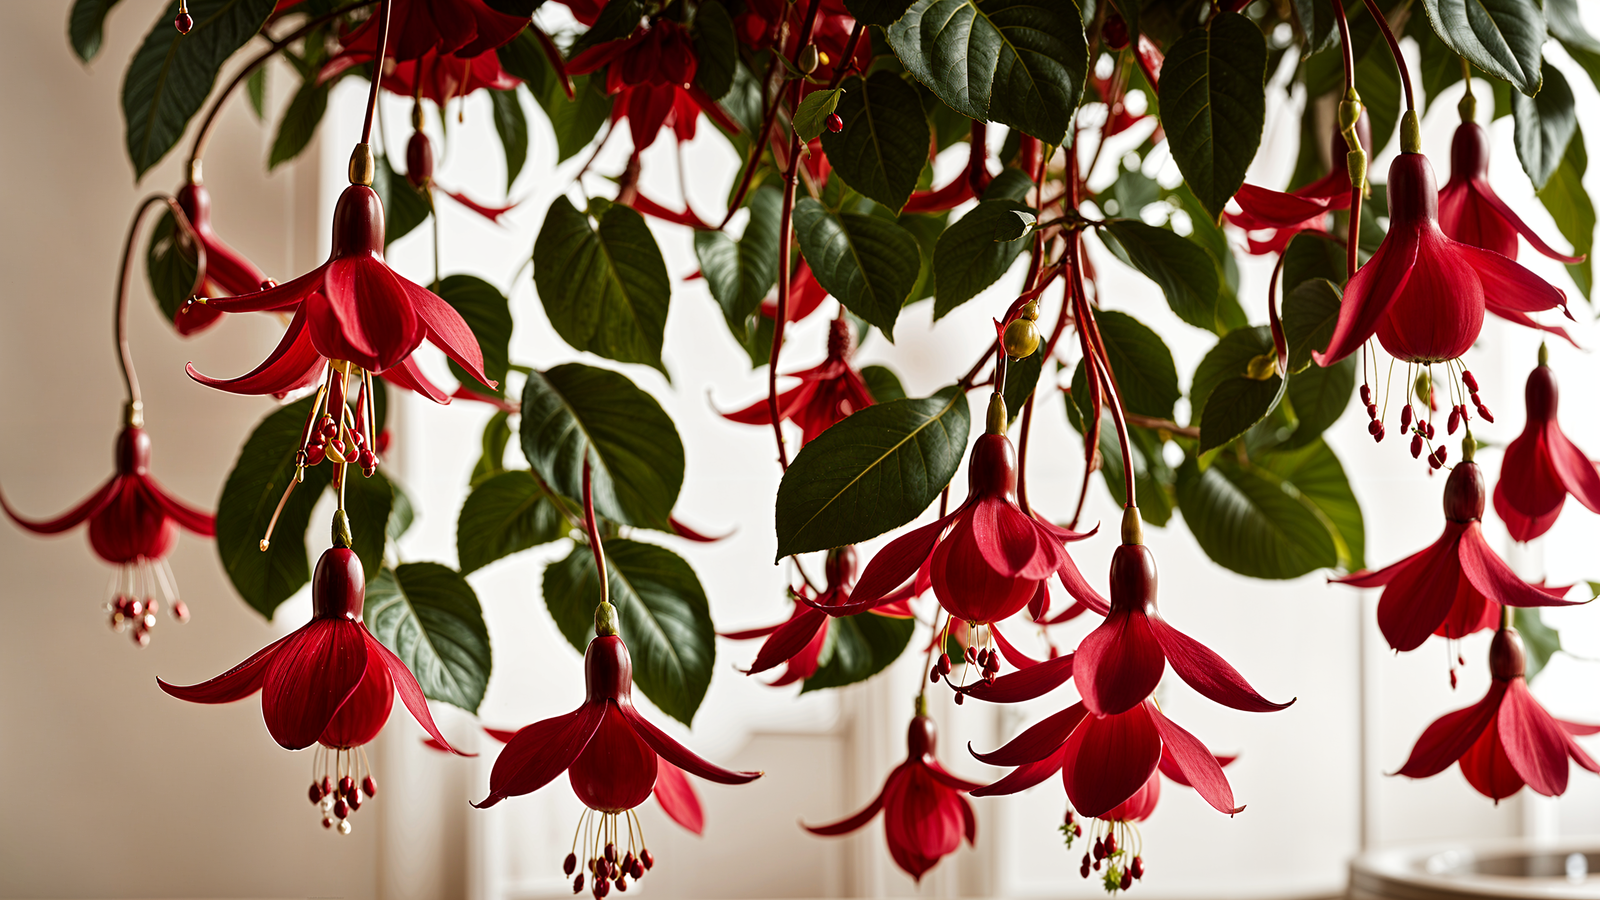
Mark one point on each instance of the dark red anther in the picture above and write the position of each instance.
(1406, 415)
(1127, 880)
(1111, 844)
(1099, 848)
(315, 455)
(1137, 868)
(1484, 412)
(637, 871)
(622, 883)
(327, 822)
(184, 22)
(960, 698)
(835, 124)
(1469, 381)
(1372, 410)
(1452, 678)
(1083, 870)
(1416, 445)
(1430, 429)
(570, 863)
(1455, 420)
(1374, 427)
(944, 664)
(369, 787)
(611, 853)
(354, 799)
(1379, 436)
(983, 658)
(972, 654)
(1434, 461)
(1443, 452)
(577, 884)
(648, 860)
(1077, 831)
(341, 808)
(1366, 394)
(347, 784)
(933, 676)
(327, 785)
(316, 792)
(1097, 865)
(602, 887)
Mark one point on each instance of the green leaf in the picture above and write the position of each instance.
(604, 290)
(883, 384)
(1540, 639)
(1010, 184)
(85, 26)
(575, 412)
(1309, 313)
(492, 461)
(1313, 19)
(171, 267)
(1022, 378)
(1544, 126)
(1017, 62)
(1566, 25)
(1313, 476)
(1312, 255)
(512, 125)
(881, 149)
(975, 251)
(401, 514)
(811, 117)
(1501, 37)
(1213, 105)
(1152, 478)
(616, 21)
(575, 121)
(881, 13)
(741, 272)
(430, 617)
(1230, 358)
(1318, 397)
(369, 503)
(404, 207)
(858, 648)
(299, 122)
(1235, 405)
(1185, 272)
(1569, 204)
(869, 264)
(506, 514)
(717, 49)
(872, 472)
(171, 74)
(662, 615)
(926, 228)
(264, 467)
(1143, 365)
(256, 89)
(488, 314)
(1246, 522)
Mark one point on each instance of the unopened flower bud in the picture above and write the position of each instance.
(184, 22)
(809, 58)
(834, 123)
(1468, 380)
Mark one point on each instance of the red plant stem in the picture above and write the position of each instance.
(759, 143)
(1117, 416)
(377, 70)
(1345, 49)
(277, 46)
(593, 534)
(1394, 49)
(130, 377)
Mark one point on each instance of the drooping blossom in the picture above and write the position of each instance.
(651, 75)
(465, 28)
(133, 524)
(329, 683)
(1469, 209)
(1120, 663)
(1456, 585)
(611, 755)
(1424, 295)
(227, 271)
(1506, 740)
(419, 172)
(1306, 208)
(924, 815)
(826, 394)
(1542, 466)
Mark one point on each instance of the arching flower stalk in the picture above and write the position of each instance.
(1542, 466)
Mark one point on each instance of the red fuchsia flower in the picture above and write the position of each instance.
(1469, 209)
(611, 755)
(924, 815)
(1506, 740)
(651, 74)
(1542, 466)
(354, 309)
(329, 683)
(227, 271)
(464, 28)
(133, 524)
(1120, 663)
(440, 77)
(1456, 585)
(826, 394)
(1303, 209)
(419, 171)
(1422, 294)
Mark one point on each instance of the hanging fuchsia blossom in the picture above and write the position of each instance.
(1542, 466)
(1305, 208)
(1469, 209)
(133, 524)
(1506, 740)
(227, 271)
(826, 394)
(924, 815)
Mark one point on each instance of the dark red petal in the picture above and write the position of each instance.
(1530, 493)
(1515, 221)
(1039, 741)
(197, 522)
(362, 716)
(1169, 766)
(535, 755)
(310, 677)
(681, 756)
(1080, 589)
(616, 769)
(969, 823)
(1507, 286)
(447, 330)
(1199, 767)
(749, 634)
(283, 370)
(940, 774)
(678, 798)
(1489, 574)
(492, 213)
(1534, 743)
(1011, 544)
(405, 684)
(790, 638)
(409, 376)
(855, 820)
(760, 412)
(1438, 312)
(893, 565)
(687, 533)
(370, 318)
(1109, 758)
(1451, 735)
(1119, 663)
(686, 218)
(1263, 208)
(967, 586)
(227, 270)
(1488, 769)
(1466, 215)
(237, 683)
(1025, 776)
(281, 297)
(499, 734)
(73, 517)
(1574, 469)
(1419, 598)
(1010, 652)
(1025, 684)
(1209, 673)
(1369, 294)
(922, 821)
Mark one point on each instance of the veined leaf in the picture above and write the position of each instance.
(1544, 126)
(511, 124)
(430, 617)
(741, 272)
(810, 118)
(1213, 105)
(1183, 269)
(488, 313)
(1247, 522)
(869, 263)
(717, 49)
(85, 26)
(883, 143)
(976, 251)
(858, 648)
(1569, 204)
(1501, 37)
(506, 514)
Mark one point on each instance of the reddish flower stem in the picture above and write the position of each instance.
(1394, 49)
(593, 533)
(377, 70)
(1022, 455)
(130, 377)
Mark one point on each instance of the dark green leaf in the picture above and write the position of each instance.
(1152, 478)
(976, 251)
(604, 290)
(488, 314)
(404, 207)
(1309, 313)
(264, 467)
(85, 26)
(512, 126)
(430, 617)
(1022, 378)
(256, 89)
(1318, 397)
(662, 615)
(883, 144)
(171, 74)
(883, 384)
(1501, 37)
(170, 266)
(575, 120)
(1017, 62)
(369, 503)
(1143, 365)
(1540, 639)
(1183, 269)
(1569, 204)
(299, 122)
(1312, 255)
(492, 461)
(1566, 25)
(506, 514)
(575, 412)
(926, 228)
(1313, 476)
(1213, 105)
(401, 514)
(872, 472)
(1230, 358)
(1544, 125)
(1246, 522)
(881, 13)
(810, 119)
(1313, 19)
(1011, 184)
(859, 647)
(869, 264)
(1234, 406)
(741, 272)
(717, 49)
